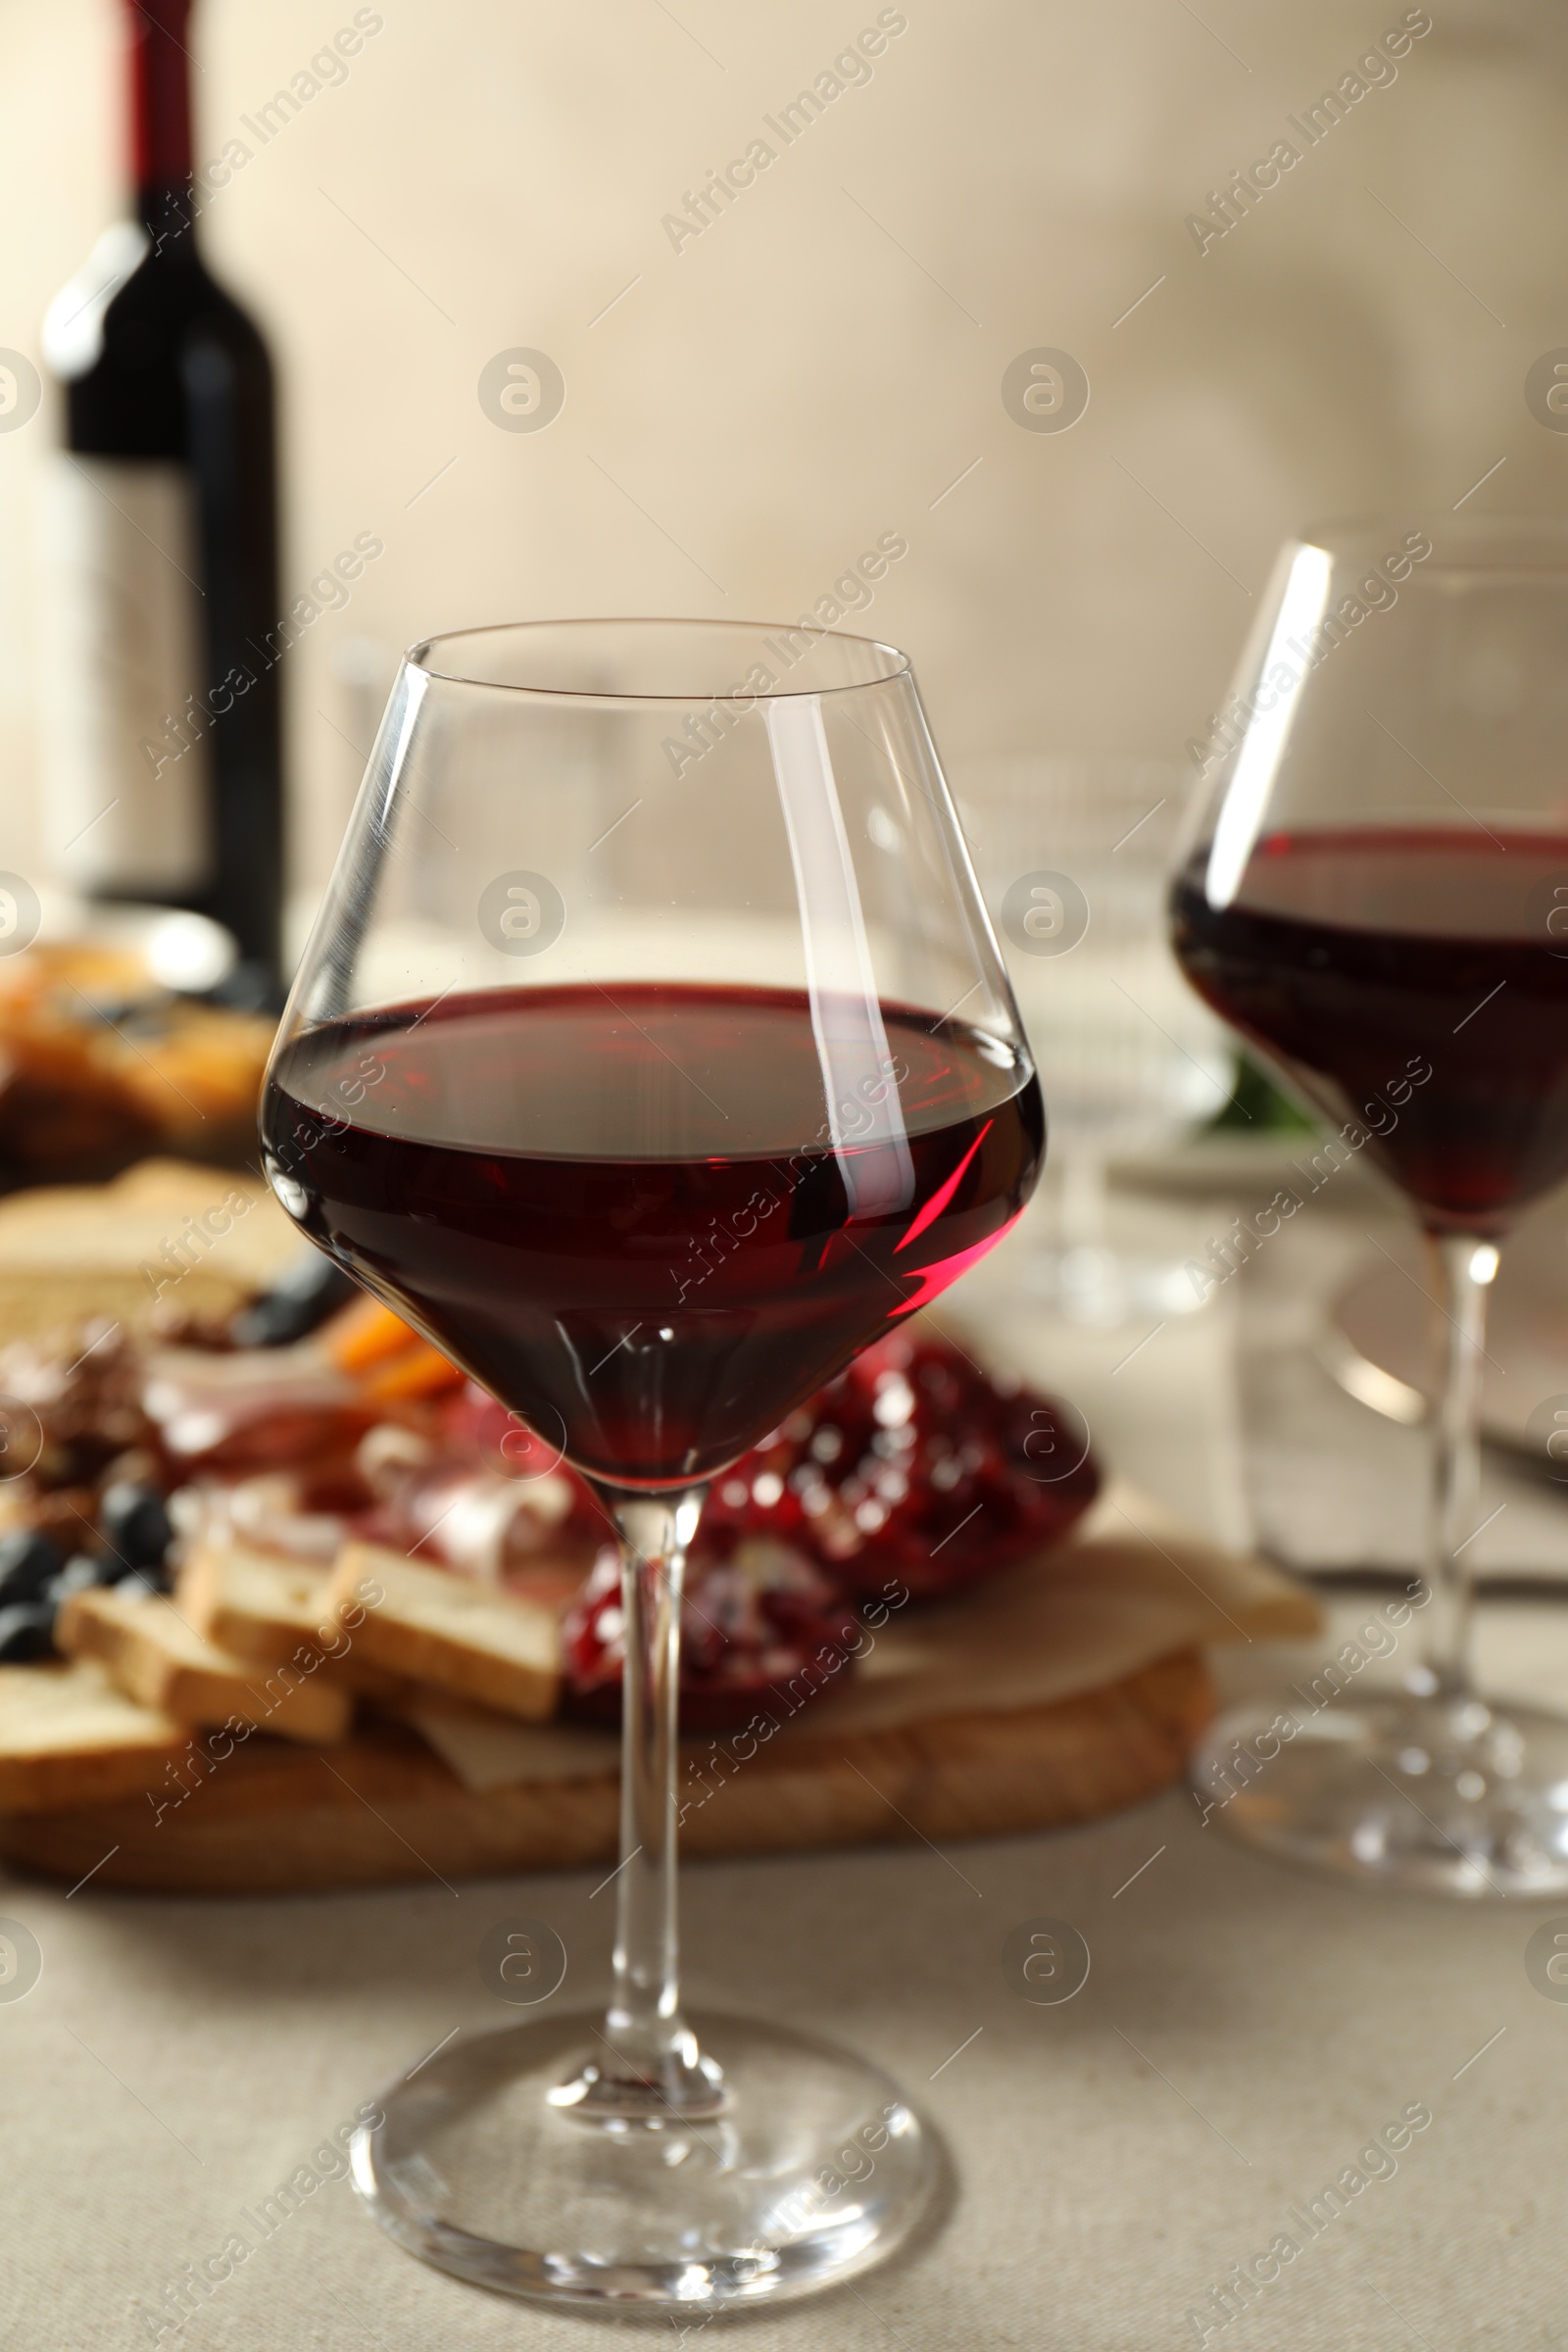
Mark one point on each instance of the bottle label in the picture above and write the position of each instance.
(125, 761)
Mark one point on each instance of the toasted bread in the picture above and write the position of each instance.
(259, 1605)
(255, 1605)
(68, 1738)
(159, 1659)
(449, 1631)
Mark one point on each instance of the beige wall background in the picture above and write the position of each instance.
(823, 363)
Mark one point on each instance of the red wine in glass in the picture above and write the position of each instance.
(1413, 980)
(539, 1086)
(483, 1161)
(1375, 892)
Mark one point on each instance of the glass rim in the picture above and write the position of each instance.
(1478, 543)
(893, 664)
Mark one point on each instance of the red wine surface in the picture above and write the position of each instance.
(1415, 982)
(624, 1216)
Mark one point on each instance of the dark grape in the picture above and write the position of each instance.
(134, 1521)
(26, 1633)
(27, 1561)
(312, 1289)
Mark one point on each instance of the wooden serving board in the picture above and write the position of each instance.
(383, 1807)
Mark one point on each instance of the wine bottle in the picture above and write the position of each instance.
(161, 735)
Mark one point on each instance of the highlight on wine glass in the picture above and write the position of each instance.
(1371, 891)
(651, 1055)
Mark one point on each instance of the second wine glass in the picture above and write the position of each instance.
(1375, 893)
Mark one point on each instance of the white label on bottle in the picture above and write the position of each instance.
(124, 752)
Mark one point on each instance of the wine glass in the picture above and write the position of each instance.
(651, 1055)
(1074, 853)
(1374, 892)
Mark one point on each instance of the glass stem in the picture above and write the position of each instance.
(1467, 1266)
(655, 2060)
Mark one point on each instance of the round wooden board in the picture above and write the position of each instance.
(383, 1808)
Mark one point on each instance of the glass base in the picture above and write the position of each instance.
(1441, 1795)
(500, 2162)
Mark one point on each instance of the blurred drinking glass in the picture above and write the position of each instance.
(1373, 892)
(1074, 855)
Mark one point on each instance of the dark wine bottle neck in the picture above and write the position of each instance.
(162, 150)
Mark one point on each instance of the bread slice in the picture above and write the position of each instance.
(206, 1238)
(255, 1605)
(68, 1738)
(260, 1605)
(450, 1631)
(159, 1660)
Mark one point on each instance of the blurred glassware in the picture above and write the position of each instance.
(1395, 946)
(1073, 855)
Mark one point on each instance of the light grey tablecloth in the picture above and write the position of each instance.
(1244, 2033)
